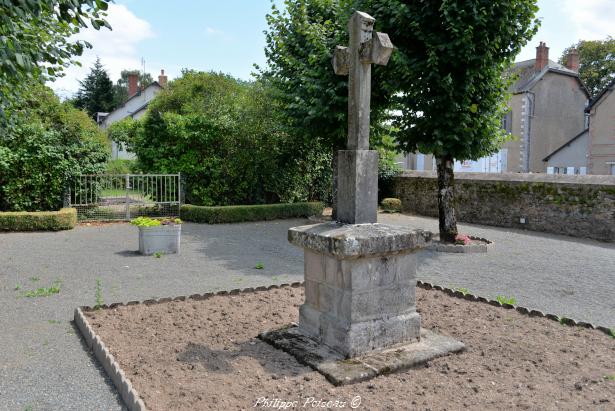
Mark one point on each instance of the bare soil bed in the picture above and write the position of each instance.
(198, 355)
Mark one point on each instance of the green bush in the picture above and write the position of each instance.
(391, 205)
(65, 219)
(49, 144)
(120, 166)
(228, 140)
(236, 214)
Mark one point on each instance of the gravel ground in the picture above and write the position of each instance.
(44, 366)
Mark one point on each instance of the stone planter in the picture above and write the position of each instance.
(159, 239)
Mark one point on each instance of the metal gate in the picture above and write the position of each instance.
(125, 196)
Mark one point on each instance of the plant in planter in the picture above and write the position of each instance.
(391, 205)
(158, 236)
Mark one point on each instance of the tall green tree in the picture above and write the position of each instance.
(96, 91)
(120, 88)
(36, 42)
(596, 62)
(446, 78)
(300, 39)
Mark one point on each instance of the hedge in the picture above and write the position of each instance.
(236, 214)
(65, 219)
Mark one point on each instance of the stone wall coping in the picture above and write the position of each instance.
(605, 180)
(347, 241)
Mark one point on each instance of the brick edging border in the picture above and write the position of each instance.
(522, 310)
(133, 400)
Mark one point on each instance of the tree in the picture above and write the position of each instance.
(596, 63)
(49, 143)
(299, 45)
(36, 42)
(120, 88)
(446, 78)
(96, 91)
(225, 136)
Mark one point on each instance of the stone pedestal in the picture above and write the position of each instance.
(359, 285)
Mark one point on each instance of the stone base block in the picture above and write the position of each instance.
(340, 371)
(359, 285)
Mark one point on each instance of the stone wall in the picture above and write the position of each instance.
(575, 205)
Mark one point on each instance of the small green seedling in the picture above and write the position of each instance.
(98, 295)
(18, 287)
(612, 332)
(610, 377)
(44, 291)
(34, 279)
(157, 254)
(259, 266)
(463, 291)
(564, 320)
(502, 299)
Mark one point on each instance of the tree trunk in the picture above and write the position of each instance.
(334, 186)
(446, 208)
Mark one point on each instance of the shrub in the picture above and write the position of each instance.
(120, 166)
(65, 219)
(228, 140)
(154, 222)
(391, 205)
(49, 143)
(236, 214)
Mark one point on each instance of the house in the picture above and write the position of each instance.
(593, 150)
(134, 107)
(546, 108)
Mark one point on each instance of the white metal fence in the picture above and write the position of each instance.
(125, 196)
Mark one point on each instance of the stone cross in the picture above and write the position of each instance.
(366, 48)
(357, 196)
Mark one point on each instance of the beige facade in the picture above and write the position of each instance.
(544, 117)
(602, 133)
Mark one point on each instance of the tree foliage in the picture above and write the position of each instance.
(224, 136)
(446, 76)
(596, 63)
(96, 92)
(50, 143)
(35, 40)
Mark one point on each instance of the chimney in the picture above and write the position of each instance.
(542, 56)
(133, 79)
(162, 79)
(572, 60)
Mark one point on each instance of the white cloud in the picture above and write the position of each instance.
(592, 19)
(116, 48)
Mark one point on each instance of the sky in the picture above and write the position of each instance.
(227, 36)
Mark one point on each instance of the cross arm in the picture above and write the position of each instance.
(377, 50)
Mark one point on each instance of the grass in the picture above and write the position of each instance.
(462, 290)
(17, 287)
(610, 377)
(157, 254)
(502, 299)
(612, 332)
(98, 295)
(259, 266)
(44, 291)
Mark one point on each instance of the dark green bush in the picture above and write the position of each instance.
(65, 219)
(228, 140)
(49, 144)
(261, 212)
